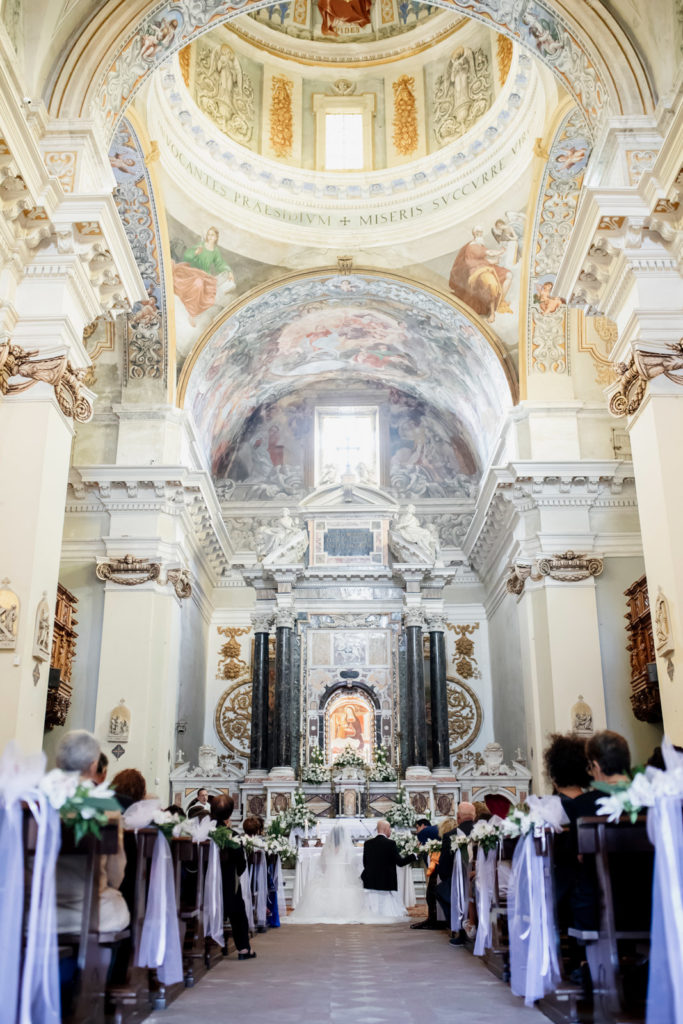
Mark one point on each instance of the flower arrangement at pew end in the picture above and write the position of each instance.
(168, 822)
(630, 798)
(431, 846)
(485, 835)
(81, 804)
(225, 838)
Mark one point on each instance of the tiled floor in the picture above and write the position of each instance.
(350, 974)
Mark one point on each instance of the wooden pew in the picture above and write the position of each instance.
(624, 862)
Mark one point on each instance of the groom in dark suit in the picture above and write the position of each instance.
(380, 860)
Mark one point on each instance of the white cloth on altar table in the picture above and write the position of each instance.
(306, 868)
(333, 892)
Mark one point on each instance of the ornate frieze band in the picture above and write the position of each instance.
(566, 568)
(73, 398)
(130, 571)
(629, 390)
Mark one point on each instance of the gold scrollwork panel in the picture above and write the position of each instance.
(233, 716)
(464, 715)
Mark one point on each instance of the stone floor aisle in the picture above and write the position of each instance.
(350, 974)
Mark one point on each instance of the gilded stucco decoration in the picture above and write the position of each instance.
(170, 26)
(224, 92)
(606, 333)
(464, 658)
(462, 93)
(504, 55)
(633, 375)
(73, 397)
(281, 120)
(231, 664)
(145, 350)
(405, 115)
(464, 714)
(9, 616)
(233, 716)
(555, 214)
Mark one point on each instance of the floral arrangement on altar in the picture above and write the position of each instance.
(382, 769)
(81, 804)
(401, 814)
(349, 758)
(315, 771)
(296, 816)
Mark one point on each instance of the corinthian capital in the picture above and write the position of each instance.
(261, 621)
(413, 617)
(285, 618)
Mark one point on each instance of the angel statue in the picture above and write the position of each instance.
(225, 92)
(284, 543)
(410, 542)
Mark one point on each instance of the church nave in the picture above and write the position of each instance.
(347, 974)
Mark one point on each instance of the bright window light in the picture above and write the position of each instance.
(347, 444)
(343, 142)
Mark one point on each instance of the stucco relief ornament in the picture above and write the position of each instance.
(283, 543)
(664, 643)
(128, 571)
(181, 581)
(73, 398)
(9, 617)
(410, 542)
(628, 392)
(119, 724)
(41, 636)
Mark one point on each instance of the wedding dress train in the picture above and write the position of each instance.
(335, 894)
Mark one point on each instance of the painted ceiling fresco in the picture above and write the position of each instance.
(424, 455)
(350, 329)
(352, 21)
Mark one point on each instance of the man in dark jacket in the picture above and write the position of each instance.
(380, 860)
(233, 864)
(465, 818)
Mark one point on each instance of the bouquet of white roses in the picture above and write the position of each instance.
(280, 846)
(486, 835)
(252, 843)
(296, 816)
(382, 769)
(315, 771)
(431, 846)
(349, 758)
(81, 804)
(401, 814)
(408, 845)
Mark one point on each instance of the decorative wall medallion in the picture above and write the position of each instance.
(231, 665)
(41, 636)
(118, 751)
(9, 617)
(233, 717)
(119, 724)
(464, 715)
(128, 571)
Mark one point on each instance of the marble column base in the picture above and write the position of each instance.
(418, 771)
(443, 773)
(281, 772)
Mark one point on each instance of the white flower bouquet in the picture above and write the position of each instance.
(431, 846)
(81, 804)
(382, 769)
(315, 771)
(407, 843)
(401, 814)
(486, 835)
(349, 758)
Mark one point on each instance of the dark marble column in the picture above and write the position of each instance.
(417, 751)
(282, 748)
(438, 690)
(258, 756)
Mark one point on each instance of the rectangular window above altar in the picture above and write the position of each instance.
(343, 142)
(346, 445)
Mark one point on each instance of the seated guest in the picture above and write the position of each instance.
(79, 751)
(609, 760)
(565, 765)
(252, 825)
(130, 787)
(482, 811)
(233, 864)
(101, 771)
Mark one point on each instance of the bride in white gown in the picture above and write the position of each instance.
(335, 894)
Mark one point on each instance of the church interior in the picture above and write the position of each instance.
(340, 346)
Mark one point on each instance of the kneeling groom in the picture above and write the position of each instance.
(380, 881)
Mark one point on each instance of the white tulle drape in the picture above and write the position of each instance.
(160, 939)
(213, 897)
